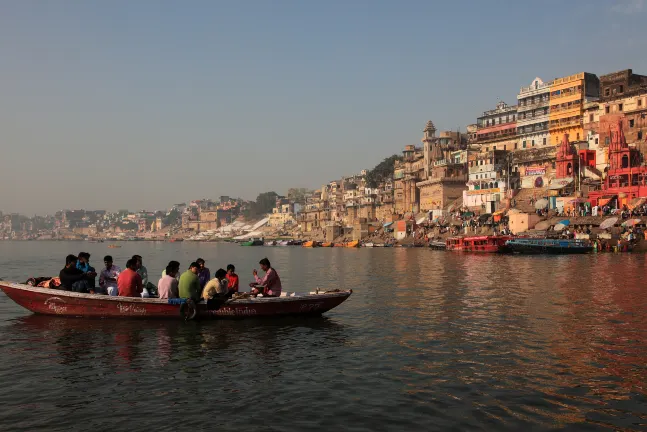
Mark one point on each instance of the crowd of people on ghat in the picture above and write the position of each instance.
(194, 283)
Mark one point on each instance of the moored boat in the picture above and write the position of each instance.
(549, 246)
(66, 303)
(310, 244)
(327, 244)
(481, 244)
(438, 245)
(352, 244)
(369, 244)
(253, 242)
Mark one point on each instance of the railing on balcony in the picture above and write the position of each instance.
(561, 95)
(528, 106)
(561, 123)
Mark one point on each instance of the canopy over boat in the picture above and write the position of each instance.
(57, 302)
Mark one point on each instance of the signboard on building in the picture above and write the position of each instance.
(483, 191)
(535, 171)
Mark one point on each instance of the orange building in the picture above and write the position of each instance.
(567, 98)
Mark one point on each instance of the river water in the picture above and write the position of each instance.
(428, 341)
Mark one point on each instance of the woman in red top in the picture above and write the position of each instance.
(232, 278)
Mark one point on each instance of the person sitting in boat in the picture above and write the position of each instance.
(216, 288)
(83, 264)
(129, 282)
(141, 270)
(204, 274)
(167, 287)
(232, 278)
(175, 265)
(189, 286)
(108, 277)
(74, 279)
(270, 285)
(149, 289)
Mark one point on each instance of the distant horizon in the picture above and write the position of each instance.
(145, 104)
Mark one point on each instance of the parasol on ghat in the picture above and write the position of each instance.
(608, 223)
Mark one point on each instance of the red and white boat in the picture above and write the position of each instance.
(486, 244)
(58, 302)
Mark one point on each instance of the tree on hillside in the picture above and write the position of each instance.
(264, 204)
(382, 171)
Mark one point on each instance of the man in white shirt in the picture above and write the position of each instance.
(108, 277)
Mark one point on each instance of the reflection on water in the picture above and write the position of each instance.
(428, 341)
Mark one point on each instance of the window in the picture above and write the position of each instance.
(606, 140)
(619, 107)
(596, 141)
(606, 110)
(590, 117)
(621, 89)
(640, 102)
(544, 141)
(606, 92)
(631, 123)
(533, 143)
(578, 136)
(640, 135)
(625, 161)
(524, 144)
(515, 146)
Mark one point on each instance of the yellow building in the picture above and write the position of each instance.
(567, 98)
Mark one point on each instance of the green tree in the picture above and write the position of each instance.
(382, 171)
(265, 202)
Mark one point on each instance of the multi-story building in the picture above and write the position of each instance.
(497, 129)
(591, 126)
(315, 213)
(446, 181)
(406, 174)
(623, 97)
(488, 180)
(532, 115)
(567, 98)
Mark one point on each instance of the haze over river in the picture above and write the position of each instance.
(428, 341)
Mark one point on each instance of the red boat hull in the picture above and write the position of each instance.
(56, 302)
(479, 244)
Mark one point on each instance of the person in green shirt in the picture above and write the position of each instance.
(189, 285)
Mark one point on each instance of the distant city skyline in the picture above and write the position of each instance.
(140, 105)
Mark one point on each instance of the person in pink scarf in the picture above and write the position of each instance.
(270, 284)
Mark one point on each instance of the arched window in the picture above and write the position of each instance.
(625, 161)
(496, 184)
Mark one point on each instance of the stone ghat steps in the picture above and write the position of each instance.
(523, 199)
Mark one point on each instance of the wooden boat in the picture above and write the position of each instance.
(282, 243)
(352, 244)
(310, 244)
(114, 246)
(549, 246)
(369, 244)
(481, 244)
(57, 302)
(253, 243)
(438, 245)
(173, 240)
(327, 244)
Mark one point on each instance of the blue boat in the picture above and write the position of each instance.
(549, 246)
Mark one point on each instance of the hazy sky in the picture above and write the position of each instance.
(141, 104)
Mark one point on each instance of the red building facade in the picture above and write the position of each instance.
(626, 176)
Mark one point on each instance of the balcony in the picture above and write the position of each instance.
(528, 107)
(563, 95)
(567, 123)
